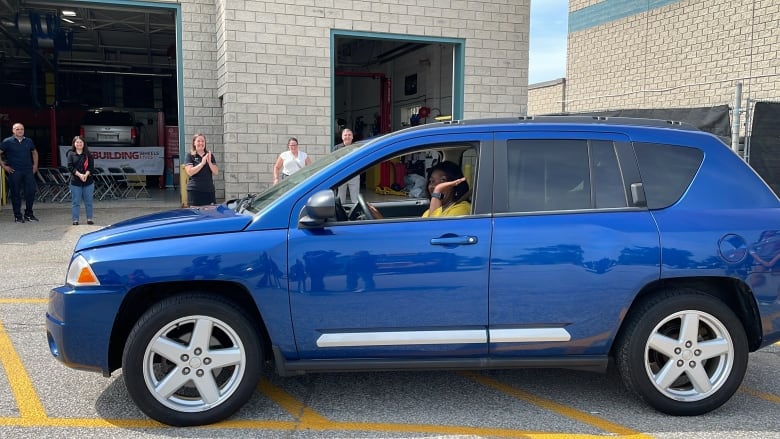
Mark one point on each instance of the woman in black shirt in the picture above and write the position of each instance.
(201, 167)
(82, 185)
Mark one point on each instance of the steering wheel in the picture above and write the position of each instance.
(361, 207)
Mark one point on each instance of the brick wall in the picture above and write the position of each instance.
(202, 110)
(270, 64)
(686, 53)
(546, 97)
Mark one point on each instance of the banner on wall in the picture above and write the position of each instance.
(145, 160)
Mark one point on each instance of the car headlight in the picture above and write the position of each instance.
(80, 273)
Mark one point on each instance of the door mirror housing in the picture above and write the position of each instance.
(319, 208)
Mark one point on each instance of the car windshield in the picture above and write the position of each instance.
(263, 199)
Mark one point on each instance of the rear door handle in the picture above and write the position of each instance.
(454, 240)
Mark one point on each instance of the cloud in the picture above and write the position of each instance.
(547, 40)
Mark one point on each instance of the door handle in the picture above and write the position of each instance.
(454, 240)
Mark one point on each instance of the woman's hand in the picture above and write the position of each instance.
(440, 187)
(374, 211)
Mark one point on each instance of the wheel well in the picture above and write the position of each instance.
(733, 292)
(141, 298)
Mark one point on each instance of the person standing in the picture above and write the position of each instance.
(20, 162)
(82, 184)
(290, 161)
(201, 166)
(353, 184)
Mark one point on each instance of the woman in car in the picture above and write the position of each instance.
(448, 189)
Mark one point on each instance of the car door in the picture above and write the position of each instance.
(410, 287)
(572, 246)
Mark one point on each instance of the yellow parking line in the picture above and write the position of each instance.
(24, 301)
(311, 420)
(288, 403)
(553, 406)
(759, 394)
(30, 406)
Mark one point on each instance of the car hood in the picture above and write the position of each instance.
(169, 224)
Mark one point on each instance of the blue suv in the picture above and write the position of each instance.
(588, 239)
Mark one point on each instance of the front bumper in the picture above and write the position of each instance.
(79, 325)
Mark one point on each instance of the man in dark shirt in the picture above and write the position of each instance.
(19, 159)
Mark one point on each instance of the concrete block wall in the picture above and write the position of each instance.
(683, 54)
(547, 97)
(259, 72)
(202, 109)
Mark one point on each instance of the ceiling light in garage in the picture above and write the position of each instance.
(67, 20)
(68, 13)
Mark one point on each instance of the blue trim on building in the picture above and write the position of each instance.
(611, 10)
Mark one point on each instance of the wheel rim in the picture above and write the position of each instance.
(194, 363)
(689, 356)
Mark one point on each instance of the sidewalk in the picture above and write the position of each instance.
(106, 211)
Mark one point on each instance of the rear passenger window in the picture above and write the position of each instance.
(666, 171)
(609, 190)
(548, 175)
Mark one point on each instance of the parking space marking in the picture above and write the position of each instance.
(311, 420)
(27, 401)
(759, 394)
(23, 301)
(555, 407)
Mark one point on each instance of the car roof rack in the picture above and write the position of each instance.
(582, 119)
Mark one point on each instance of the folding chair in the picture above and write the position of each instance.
(136, 182)
(55, 185)
(62, 175)
(45, 187)
(103, 184)
(119, 182)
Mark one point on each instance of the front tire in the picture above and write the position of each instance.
(192, 360)
(683, 352)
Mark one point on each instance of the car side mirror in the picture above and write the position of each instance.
(319, 207)
(638, 195)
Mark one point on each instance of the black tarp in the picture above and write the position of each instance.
(713, 120)
(764, 154)
(766, 120)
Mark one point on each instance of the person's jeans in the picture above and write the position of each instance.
(79, 193)
(17, 181)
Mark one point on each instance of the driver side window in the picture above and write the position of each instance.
(399, 186)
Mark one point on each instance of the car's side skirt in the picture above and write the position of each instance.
(300, 367)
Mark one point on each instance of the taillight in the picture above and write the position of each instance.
(81, 132)
(133, 133)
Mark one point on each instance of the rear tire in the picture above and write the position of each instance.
(191, 360)
(683, 352)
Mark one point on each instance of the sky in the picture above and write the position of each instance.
(549, 28)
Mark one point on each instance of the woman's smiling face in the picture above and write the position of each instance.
(437, 176)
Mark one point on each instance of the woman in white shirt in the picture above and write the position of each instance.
(290, 161)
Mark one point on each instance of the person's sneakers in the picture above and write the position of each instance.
(75, 223)
(90, 222)
(18, 219)
(30, 217)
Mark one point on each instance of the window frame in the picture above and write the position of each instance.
(622, 147)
